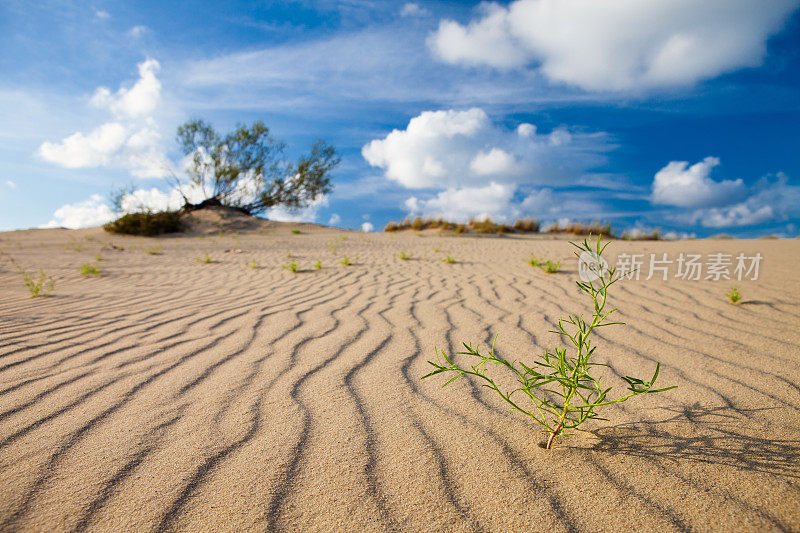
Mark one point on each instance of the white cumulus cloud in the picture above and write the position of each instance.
(679, 184)
(452, 148)
(367, 227)
(412, 9)
(91, 212)
(616, 44)
(131, 141)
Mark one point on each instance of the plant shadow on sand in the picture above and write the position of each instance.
(712, 435)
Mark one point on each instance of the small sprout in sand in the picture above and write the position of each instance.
(75, 246)
(295, 232)
(734, 295)
(551, 267)
(346, 262)
(38, 287)
(403, 256)
(563, 392)
(343, 237)
(289, 255)
(318, 264)
(89, 270)
(437, 249)
(291, 267)
(449, 259)
(334, 248)
(253, 265)
(205, 259)
(98, 258)
(154, 250)
(220, 233)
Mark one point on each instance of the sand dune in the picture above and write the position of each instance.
(170, 394)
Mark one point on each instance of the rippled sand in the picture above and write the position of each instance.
(170, 394)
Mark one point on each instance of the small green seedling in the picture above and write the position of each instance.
(550, 267)
(403, 256)
(98, 258)
(75, 246)
(346, 262)
(734, 295)
(253, 265)
(38, 287)
(561, 388)
(89, 270)
(205, 259)
(449, 259)
(291, 267)
(534, 261)
(289, 255)
(437, 250)
(295, 232)
(318, 264)
(154, 250)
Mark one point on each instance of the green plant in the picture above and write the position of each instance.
(89, 270)
(37, 287)
(291, 267)
(154, 250)
(449, 259)
(71, 245)
(318, 264)
(146, 224)
(98, 258)
(561, 387)
(204, 259)
(253, 265)
(346, 262)
(437, 250)
(551, 267)
(734, 295)
(295, 232)
(289, 255)
(403, 256)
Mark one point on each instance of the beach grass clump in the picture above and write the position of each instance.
(296, 232)
(483, 225)
(41, 286)
(403, 256)
(560, 385)
(253, 265)
(205, 259)
(346, 261)
(576, 228)
(88, 269)
(73, 245)
(98, 258)
(449, 260)
(734, 296)
(318, 264)
(146, 224)
(154, 250)
(291, 267)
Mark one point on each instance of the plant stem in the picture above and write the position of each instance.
(553, 435)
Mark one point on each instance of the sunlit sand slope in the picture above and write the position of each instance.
(171, 394)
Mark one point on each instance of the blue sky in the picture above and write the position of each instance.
(682, 116)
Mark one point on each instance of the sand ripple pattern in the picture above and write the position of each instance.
(172, 395)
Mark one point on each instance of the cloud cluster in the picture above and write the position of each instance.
(679, 184)
(466, 166)
(451, 148)
(721, 204)
(616, 44)
(92, 212)
(131, 141)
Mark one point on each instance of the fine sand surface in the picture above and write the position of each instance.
(169, 394)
